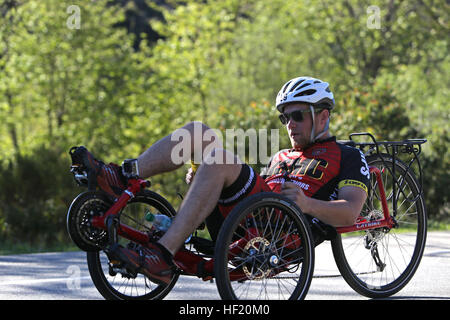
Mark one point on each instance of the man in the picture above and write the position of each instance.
(327, 180)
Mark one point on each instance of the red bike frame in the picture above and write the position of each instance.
(362, 223)
(188, 261)
(134, 186)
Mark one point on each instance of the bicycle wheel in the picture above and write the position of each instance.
(85, 206)
(117, 284)
(264, 251)
(379, 262)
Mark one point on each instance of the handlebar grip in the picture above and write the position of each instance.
(286, 170)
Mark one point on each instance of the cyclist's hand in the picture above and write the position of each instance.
(190, 176)
(296, 194)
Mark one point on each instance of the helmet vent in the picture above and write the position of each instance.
(297, 84)
(306, 93)
(286, 85)
(304, 85)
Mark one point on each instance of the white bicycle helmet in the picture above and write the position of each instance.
(308, 90)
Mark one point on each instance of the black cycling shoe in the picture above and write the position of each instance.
(108, 177)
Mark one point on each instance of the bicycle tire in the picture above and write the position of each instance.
(409, 236)
(130, 289)
(270, 261)
(83, 207)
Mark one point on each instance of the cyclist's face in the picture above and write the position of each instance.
(299, 132)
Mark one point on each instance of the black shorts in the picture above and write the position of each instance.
(247, 183)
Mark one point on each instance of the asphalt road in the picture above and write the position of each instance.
(64, 276)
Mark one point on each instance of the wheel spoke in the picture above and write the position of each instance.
(266, 263)
(111, 278)
(385, 272)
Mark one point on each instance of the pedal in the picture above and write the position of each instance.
(203, 245)
(116, 265)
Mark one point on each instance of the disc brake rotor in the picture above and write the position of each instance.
(86, 236)
(257, 266)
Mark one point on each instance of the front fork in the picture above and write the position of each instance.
(110, 220)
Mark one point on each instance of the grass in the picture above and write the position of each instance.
(438, 226)
(8, 247)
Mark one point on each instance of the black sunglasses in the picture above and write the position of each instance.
(297, 116)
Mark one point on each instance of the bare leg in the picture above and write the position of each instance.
(210, 179)
(201, 198)
(166, 155)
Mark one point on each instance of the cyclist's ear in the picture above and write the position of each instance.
(323, 116)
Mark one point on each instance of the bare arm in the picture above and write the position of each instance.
(341, 212)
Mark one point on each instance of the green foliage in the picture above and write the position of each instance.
(108, 87)
(33, 191)
(377, 111)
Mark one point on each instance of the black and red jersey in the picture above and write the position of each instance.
(320, 170)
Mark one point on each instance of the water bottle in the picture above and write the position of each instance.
(160, 221)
